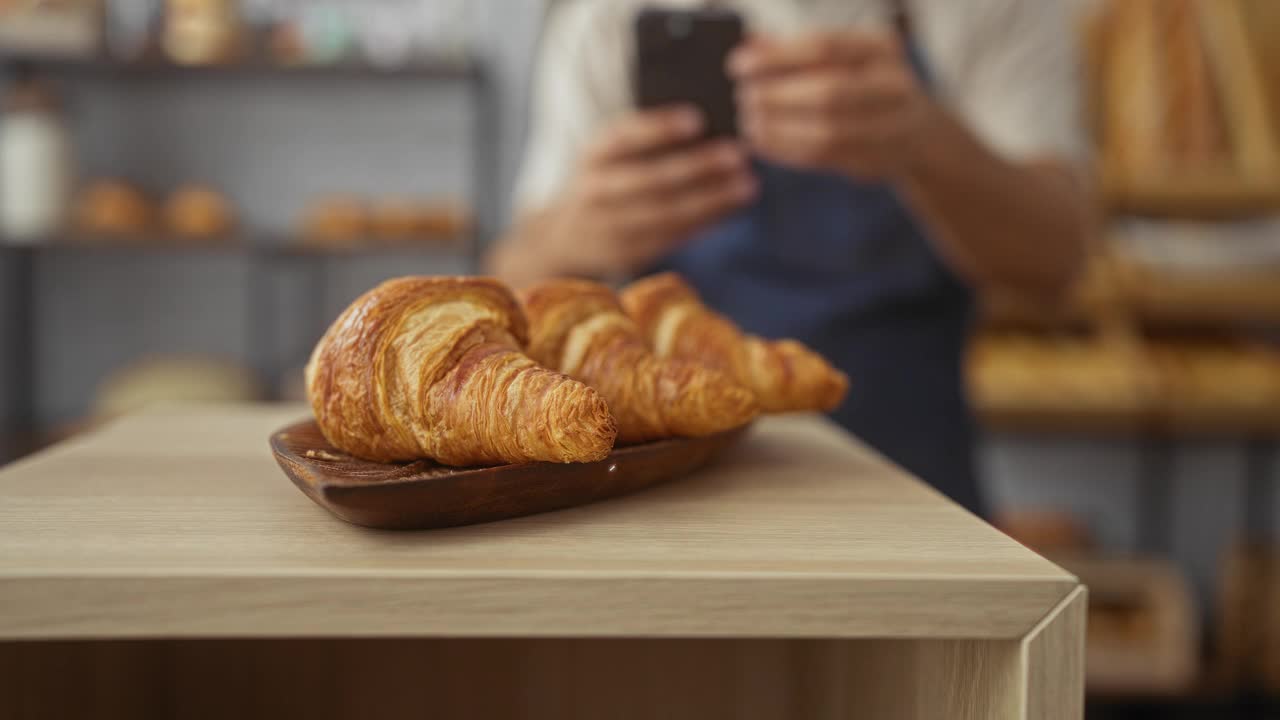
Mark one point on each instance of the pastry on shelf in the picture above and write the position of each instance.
(113, 208)
(337, 221)
(1133, 88)
(398, 219)
(1194, 122)
(784, 374)
(202, 32)
(1047, 374)
(579, 328)
(443, 222)
(198, 213)
(1219, 377)
(434, 367)
(1185, 122)
(395, 220)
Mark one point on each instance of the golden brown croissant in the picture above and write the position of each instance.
(432, 367)
(579, 328)
(784, 374)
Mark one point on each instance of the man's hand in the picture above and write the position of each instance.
(641, 191)
(845, 101)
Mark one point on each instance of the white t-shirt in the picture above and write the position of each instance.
(1007, 68)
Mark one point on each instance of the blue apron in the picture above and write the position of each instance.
(843, 267)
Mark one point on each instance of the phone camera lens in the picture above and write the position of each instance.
(679, 25)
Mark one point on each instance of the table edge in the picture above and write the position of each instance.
(241, 606)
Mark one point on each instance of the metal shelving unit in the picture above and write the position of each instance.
(444, 68)
(265, 253)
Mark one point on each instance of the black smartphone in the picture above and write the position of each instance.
(680, 59)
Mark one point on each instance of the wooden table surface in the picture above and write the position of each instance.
(178, 523)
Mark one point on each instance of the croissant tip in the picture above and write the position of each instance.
(837, 389)
(589, 429)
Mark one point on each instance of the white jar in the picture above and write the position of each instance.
(35, 164)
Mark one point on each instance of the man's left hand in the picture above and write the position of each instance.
(846, 101)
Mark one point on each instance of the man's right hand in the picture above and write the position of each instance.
(638, 194)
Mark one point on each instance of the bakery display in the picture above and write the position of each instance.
(1194, 121)
(579, 327)
(442, 221)
(1020, 375)
(433, 368)
(336, 221)
(395, 219)
(113, 207)
(120, 210)
(1231, 380)
(200, 32)
(197, 212)
(1182, 108)
(1131, 87)
(346, 220)
(1023, 380)
(784, 374)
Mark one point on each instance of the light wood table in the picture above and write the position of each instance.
(165, 567)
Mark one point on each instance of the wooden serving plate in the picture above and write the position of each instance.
(422, 494)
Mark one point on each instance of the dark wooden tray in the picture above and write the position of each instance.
(423, 495)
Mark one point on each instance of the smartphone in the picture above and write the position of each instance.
(680, 59)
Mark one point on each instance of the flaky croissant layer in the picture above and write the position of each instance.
(433, 368)
(784, 374)
(579, 327)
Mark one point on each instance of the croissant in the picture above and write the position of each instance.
(432, 368)
(784, 374)
(579, 328)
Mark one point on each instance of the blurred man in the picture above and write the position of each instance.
(893, 155)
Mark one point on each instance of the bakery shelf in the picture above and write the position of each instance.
(1183, 111)
(1219, 422)
(128, 244)
(1139, 388)
(1129, 419)
(1007, 311)
(468, 70)
(1072, 419)
(461, 68)
(1199, 197)
(272, 246)
(293, 247)
(1152, 298)
(1235, 298)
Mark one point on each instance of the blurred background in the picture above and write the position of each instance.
(190, 190)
